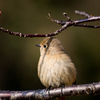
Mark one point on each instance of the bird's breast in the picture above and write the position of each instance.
(56, 70)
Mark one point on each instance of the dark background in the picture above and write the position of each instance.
(19, 56)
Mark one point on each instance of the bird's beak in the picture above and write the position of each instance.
(38, 45)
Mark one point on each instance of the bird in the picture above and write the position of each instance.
(55, 68)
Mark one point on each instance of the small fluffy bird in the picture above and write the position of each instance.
(55, 68)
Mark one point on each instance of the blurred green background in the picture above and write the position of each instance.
(19, 56)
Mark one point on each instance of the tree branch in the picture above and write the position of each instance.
(82, 13)
(88, 26)
(74, 90)
(64, 24)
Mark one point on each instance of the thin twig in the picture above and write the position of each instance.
(82, 13)
(88, 26)
(67, 17)
(56, 21)
(64, 24)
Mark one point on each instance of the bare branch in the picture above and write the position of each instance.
(56, 21)
(64, 24)
(88, 26)
(74, 90)
(82, 14)
(66, 16)
(30, 35)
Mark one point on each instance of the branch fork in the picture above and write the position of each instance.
(64, 24)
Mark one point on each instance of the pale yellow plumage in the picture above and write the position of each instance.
(55, 67)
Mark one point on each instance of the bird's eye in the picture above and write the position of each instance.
(44, 46)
